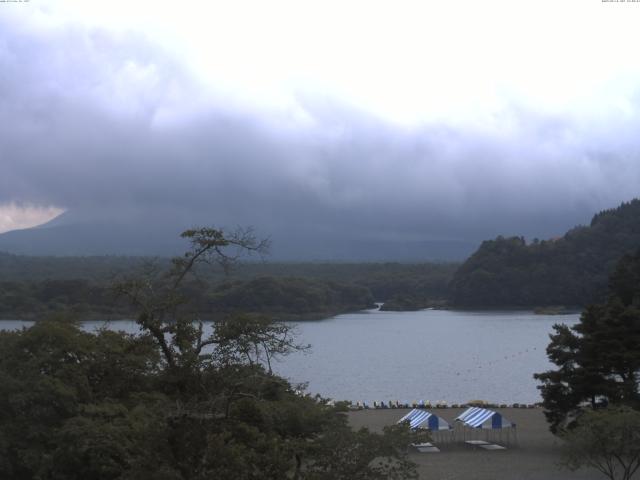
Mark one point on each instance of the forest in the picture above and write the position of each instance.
(33, 287)
(569, 271)
(174, 403)
(572, 270)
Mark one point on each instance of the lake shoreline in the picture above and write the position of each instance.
(312, 316)
(433, 356)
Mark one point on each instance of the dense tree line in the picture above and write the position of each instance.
(174, 402)
(383, 279)
(571, 270)
(281, 297)
(33, 300)
(33, 287)
(285, 296)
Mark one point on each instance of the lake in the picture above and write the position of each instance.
(434, 355)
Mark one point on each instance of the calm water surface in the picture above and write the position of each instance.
(427, 355)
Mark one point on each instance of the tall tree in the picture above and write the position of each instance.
(598, 359)
(179, 401)
(607, 440)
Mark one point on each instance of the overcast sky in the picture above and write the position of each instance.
(385, 120)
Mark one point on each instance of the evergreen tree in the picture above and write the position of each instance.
(598, 359)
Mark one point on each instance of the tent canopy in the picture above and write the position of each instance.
(424, 419)
(476, 417)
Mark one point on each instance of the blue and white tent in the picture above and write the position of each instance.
(476, 417)
(493, 424)
(424, 419)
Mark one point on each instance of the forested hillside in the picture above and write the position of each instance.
(33, 287)
(571, 270)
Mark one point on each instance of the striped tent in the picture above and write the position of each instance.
(424, 419)
(476, 417)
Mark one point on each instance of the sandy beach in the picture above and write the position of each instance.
(534, 457)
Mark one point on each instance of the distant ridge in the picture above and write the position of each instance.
(83, 233)
(571, 270)
(156, 233)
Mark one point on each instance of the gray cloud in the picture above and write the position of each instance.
(112, 124)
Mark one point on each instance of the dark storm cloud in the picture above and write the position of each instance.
(98, 122)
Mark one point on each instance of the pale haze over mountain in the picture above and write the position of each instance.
(342, 130)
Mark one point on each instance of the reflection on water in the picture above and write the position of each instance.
(427, 355)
